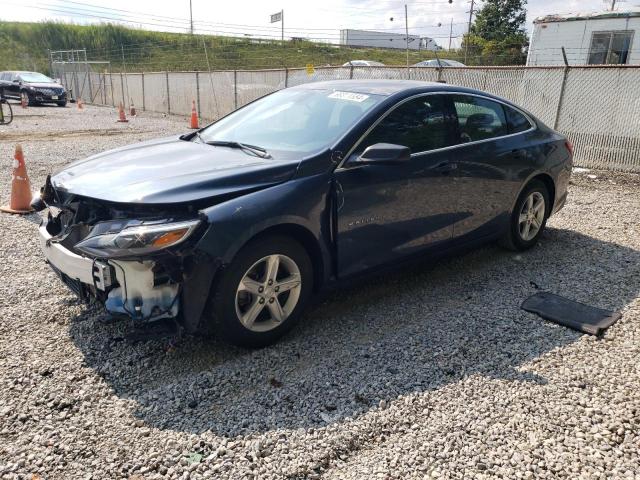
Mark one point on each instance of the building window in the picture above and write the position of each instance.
(610, 48)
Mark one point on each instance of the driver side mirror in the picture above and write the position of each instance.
(16, 81)
(385, 153)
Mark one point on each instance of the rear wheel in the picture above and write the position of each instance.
(529, 217)
(262, 293)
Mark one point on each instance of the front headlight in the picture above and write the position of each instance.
(135, 239)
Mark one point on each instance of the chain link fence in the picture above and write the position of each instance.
(598, 108)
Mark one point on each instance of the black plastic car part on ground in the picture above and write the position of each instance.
(235, 226)
(32, 87)
(576, 315)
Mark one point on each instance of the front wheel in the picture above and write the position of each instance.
(62, 104)
(261, 294)
(529, 217)
(26, 98)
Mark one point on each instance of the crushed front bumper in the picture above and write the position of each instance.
(125, 287)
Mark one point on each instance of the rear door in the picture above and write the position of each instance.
(387, 212)
(489, 158)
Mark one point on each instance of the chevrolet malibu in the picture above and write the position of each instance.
(234, 227)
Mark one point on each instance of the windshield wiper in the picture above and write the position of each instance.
(258, 151)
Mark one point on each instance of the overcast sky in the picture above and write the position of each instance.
(320, 19)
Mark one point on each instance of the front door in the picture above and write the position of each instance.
(387, 212)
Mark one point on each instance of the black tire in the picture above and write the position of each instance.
(513, 238)
(223, 319)
(62, 104)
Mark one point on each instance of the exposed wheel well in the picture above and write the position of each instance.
(307, 240)
(551, 188)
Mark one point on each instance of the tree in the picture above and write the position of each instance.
(499, 19)
(498, 33)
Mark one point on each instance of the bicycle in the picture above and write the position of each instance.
(6, 113)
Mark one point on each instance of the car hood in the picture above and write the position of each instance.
(43, 85)
(170, 170)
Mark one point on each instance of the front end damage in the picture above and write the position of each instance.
(138, 261)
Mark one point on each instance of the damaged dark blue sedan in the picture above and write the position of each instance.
(234, 227)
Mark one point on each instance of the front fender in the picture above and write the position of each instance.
(302, 202)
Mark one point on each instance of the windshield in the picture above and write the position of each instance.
(292, 120)
(35, 77)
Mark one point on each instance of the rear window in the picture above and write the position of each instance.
(516, 121)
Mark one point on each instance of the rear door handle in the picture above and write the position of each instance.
(519, 153)
(446, 167)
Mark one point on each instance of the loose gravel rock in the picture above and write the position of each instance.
(431, 372)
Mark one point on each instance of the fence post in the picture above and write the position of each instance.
(286, 77)
(166, 74)
(235, 89)
(198, 93)
(122, 88)
(143, 100)
(113, 100)
(439, 71)
(350, 71)
(565, 74)
(90, 86)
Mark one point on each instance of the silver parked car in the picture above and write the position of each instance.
(443, 63)
(363, 63)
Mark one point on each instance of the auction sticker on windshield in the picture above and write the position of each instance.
(351, 96)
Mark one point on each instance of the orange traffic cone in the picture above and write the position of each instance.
(122, 117)
(194, 116)
(132, 109)
(20, 187)
(80, 104)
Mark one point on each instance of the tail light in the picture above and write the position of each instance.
(569, 146)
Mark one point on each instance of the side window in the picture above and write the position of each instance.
(421, 124)
(478, 119)
(516, 121)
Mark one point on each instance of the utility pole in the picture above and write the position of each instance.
(613, 5)
(191, 16)
(466, 43)
(282, 24)
(450, 32)
(406, 28)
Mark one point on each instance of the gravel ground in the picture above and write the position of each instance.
(432, 372)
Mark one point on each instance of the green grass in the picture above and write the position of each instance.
(26, 46)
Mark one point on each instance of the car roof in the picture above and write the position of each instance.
(384, 87)
(17, 71)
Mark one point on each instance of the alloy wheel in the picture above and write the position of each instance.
(268, 292)
(531, 216)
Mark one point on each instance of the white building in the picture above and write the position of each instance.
(588, 38)
(369, 38)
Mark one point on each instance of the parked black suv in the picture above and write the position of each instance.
(34, 87)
